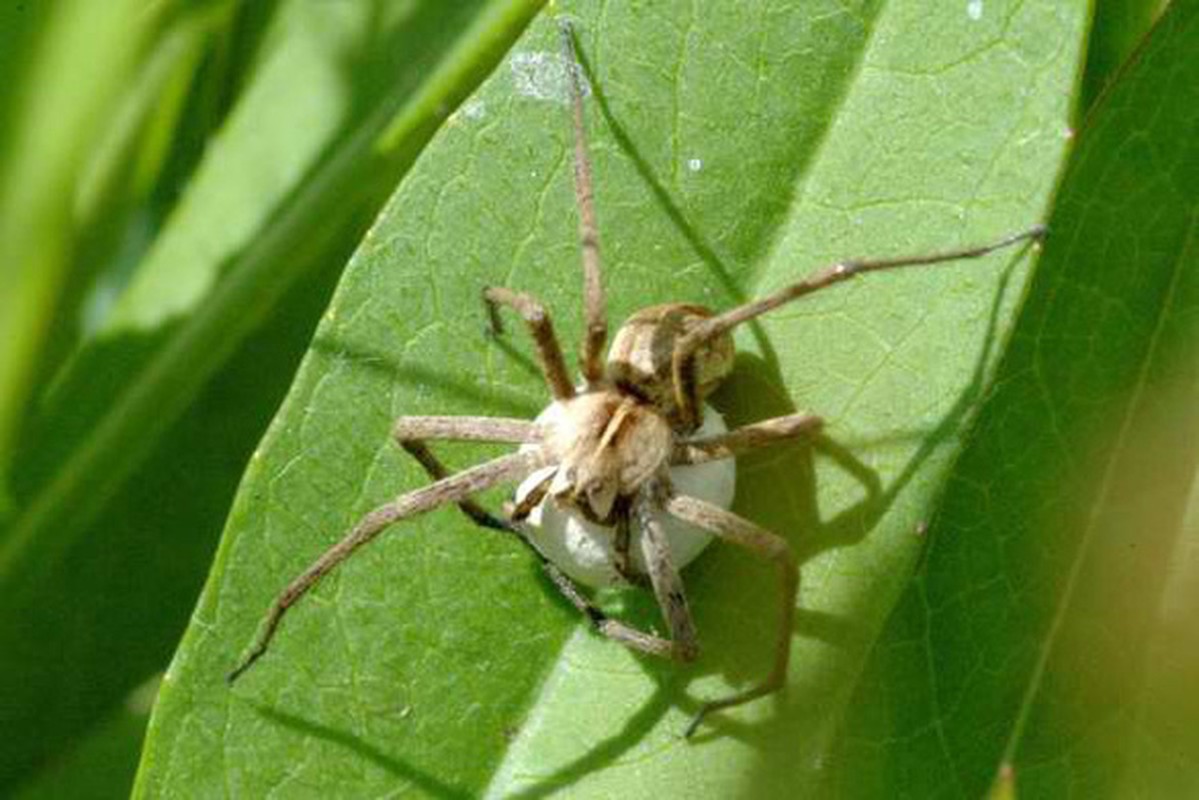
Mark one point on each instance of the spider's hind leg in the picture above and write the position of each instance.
(683, 360)
(595, 315)
(761, 542)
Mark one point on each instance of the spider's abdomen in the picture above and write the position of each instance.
(639, 360)
(569, 533)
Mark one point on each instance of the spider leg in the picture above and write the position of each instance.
(763, 543)
(410, 432)
(591, 359)
(517, 512)
(683, 359)
(449, 490)
(664, 576)
(436, 470)
(553, 365)
(622, 559)
(613, 629)
(745, 438)
(466, 429)
(520, 511)
(617, 631)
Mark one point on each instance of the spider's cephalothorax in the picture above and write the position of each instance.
(608, 451)
(606, 445)
(609, 442)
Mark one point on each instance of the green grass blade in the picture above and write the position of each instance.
(64, 74)
(734, 151)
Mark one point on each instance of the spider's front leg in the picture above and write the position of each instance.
(613, 629)
(663, 575)
(622, 556)
(553, 365)
(411, 432)
(407, 429)
(680, 646)
(740, 531)
(453, 489)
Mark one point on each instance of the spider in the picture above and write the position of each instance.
(606, 452)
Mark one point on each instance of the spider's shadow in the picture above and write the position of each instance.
(494, 398)
(392, 765)
(724, 581)
(727, 584)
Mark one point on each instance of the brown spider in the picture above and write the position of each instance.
(607, 454)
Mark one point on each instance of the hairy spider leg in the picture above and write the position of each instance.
(591, 359)
(683, 360)
(511, 467)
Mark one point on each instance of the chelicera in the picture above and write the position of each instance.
(607, 453)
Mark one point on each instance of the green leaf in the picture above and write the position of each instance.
(734, 151)
(100, 766)
(1051, 630)
(1119, 27)
(142, 436)
(133, 170)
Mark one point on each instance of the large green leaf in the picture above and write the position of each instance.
(133, 455)
(1052, 628)
(1119, 27)
(735, 150)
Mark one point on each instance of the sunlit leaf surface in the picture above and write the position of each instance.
(735, 149)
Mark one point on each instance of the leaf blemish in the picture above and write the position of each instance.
(543, 76)
(974, 9)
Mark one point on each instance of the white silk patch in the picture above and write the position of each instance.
(583, 549)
